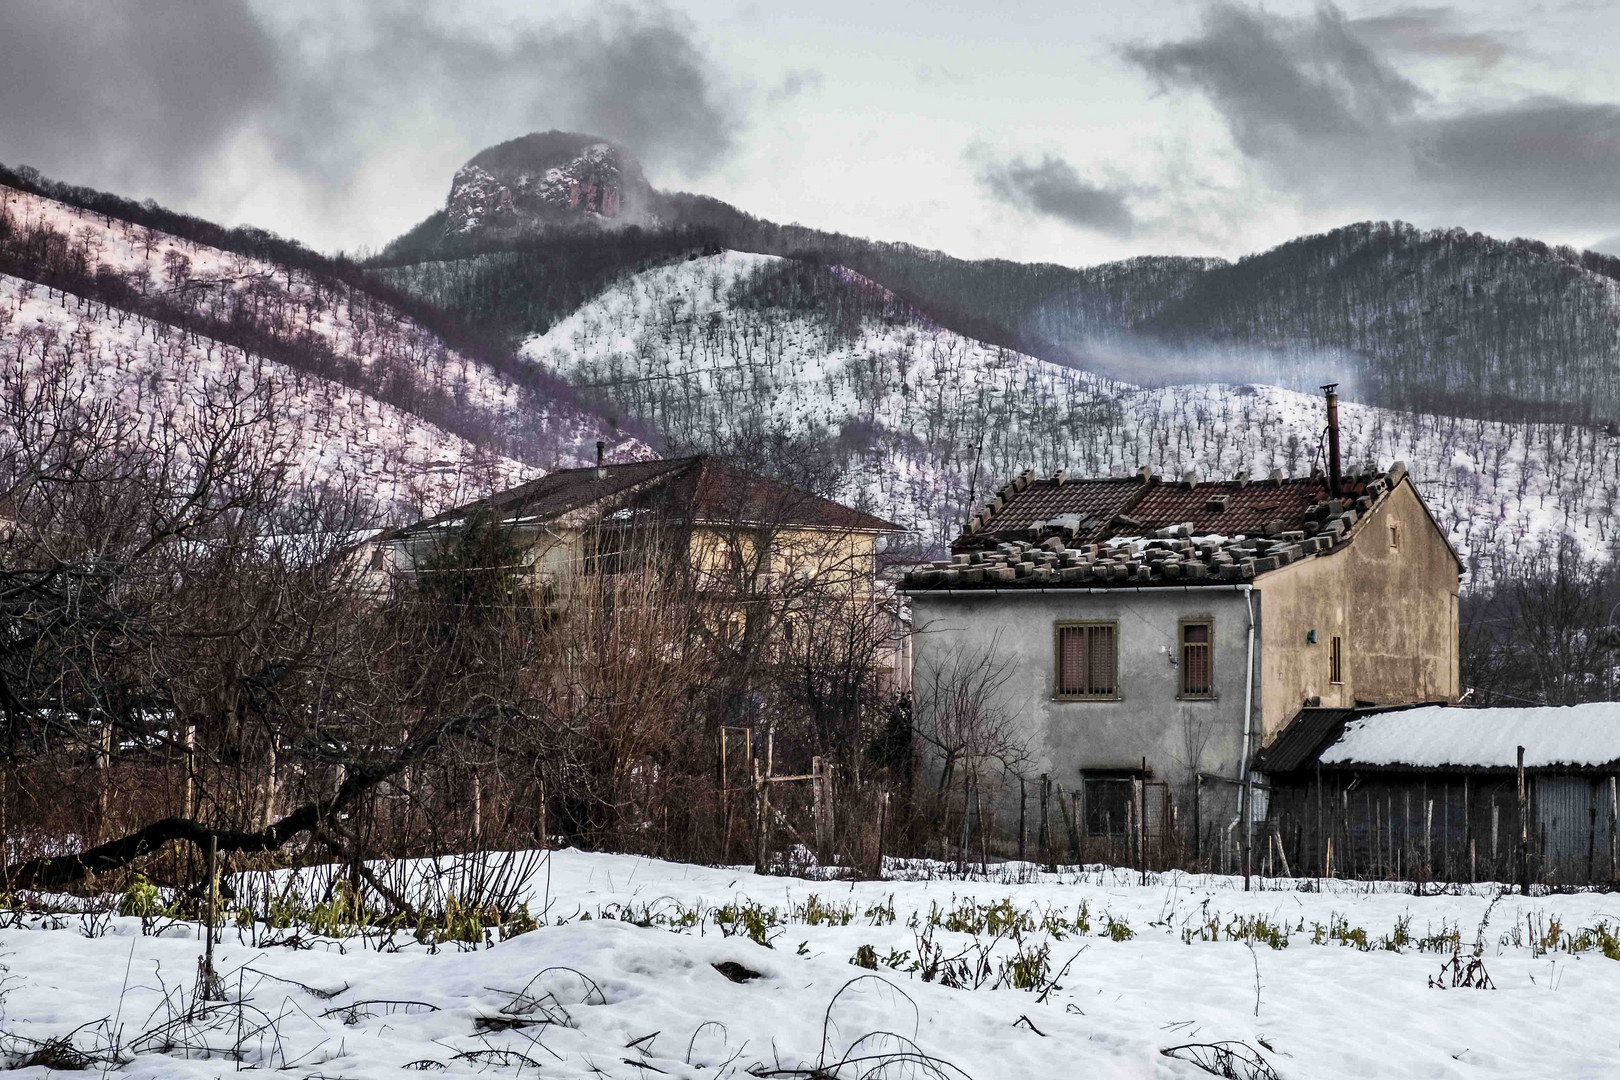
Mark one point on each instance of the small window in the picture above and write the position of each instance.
(1336, 660)
(1087, 664)
(1394, 536)
(1197, 668)
(1109, 798)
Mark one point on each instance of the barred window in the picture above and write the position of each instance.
(1197, 667)
(1336, 660)
(1087, 660)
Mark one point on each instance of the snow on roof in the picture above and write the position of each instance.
(1433, 736)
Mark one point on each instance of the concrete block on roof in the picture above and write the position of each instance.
(972, 575)
(1002, 573)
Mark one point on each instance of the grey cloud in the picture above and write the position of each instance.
(1609, 245)
(1054, 188)
(794, 83)
(631, 74)
(1328, 117)
(1297, 95)
(1430, 31)
(110, 93)
(134, 92)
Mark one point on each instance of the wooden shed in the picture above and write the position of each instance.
(1434, 792)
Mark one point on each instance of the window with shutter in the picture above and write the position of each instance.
(1197, 664)
(1087, 660)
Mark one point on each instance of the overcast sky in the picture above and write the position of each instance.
(1073, 132)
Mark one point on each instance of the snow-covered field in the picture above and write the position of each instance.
(926, 413)
(620, 980)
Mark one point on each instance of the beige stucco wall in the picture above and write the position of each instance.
(1396, 611)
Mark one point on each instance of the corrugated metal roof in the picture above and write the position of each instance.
(1301, 739)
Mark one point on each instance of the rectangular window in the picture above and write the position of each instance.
(1336, 660)
(1197, 666)
(1394, 536)
(1109, 799)
(1087, 660)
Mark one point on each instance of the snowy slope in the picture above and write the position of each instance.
(372, 394)
(335, 434)
(1327, 984)
(689, 347)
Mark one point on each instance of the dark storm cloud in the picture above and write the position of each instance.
(1054, 189)
(114, 92)
(1306, 97)
(1430, 31)
(1326, 115)
(128, 91)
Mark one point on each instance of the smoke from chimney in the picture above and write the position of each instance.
(1331, 390)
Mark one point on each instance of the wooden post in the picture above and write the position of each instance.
(1318, 841)
(1198, 819)
(209, 977)
(1591, 832)
(984, 843)
(1612, 792)
(1047, 857)
(1428, 839)
(822, 804)
(1468, 828)
(883, 825)
(1023, 826)
(1069, 819)
(1524, 830)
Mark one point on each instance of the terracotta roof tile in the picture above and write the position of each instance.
(698, 488)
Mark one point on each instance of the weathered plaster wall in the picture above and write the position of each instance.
(1147, 721)
(1394, 609)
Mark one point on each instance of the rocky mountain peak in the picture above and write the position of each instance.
(547, 179)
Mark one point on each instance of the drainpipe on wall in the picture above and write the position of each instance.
(1247, 799)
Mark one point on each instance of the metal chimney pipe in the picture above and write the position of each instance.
(601, 464)
(1331, 390)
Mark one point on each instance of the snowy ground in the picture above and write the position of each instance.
(622, 999)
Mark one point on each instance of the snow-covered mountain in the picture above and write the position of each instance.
(924, 415)
(365, 393)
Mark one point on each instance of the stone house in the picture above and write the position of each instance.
(1156, 633)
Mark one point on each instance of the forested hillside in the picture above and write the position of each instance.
(152, 322)
(1446, 320)
(920, 416)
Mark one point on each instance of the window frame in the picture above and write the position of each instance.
(1058, 627)
(1336, 660)
(1394, 534)
(1182, 693)
(1092, 784)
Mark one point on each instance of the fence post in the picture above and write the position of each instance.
(1612, 793)
(1524, 831)
(1023, 825)
(209, 978)
(821, 792)
(1048, 858)
(883, 828)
